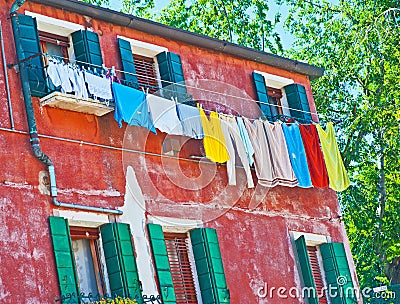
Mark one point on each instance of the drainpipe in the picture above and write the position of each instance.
(34, 139)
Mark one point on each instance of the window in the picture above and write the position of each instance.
(87, 251)
(96, 258)
(180, 280)
(274, 99)
(177, 245)
(324, 269)
(146, 73)
(313, 254)
(281, 96)
(54, 45)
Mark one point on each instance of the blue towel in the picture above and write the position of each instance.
(190, 120)
(297, 154)
(246, 140)
(131, 107)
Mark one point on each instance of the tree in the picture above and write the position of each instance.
(245, 22)
(357, 42)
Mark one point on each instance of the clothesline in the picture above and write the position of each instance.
(201, 89)
(276, 149)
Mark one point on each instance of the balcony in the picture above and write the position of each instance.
(71, 103)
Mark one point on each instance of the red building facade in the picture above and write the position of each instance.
(126, 205)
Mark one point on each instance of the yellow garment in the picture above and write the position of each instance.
(214, 140)
(338, 179)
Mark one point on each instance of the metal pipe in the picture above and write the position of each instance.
(10, 110)
(34, 139)
(88, 208)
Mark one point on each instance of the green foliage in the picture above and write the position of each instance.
(245, 22)
(357, 42)
(104, 3)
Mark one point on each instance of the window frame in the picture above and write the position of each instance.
(312, 240)
(94, 236)
(89, 222)
(148, 50)
(56, 27)
(275, 82)
(182, 226)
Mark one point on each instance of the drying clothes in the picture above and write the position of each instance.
(231, 133)
(281, 166)
(315, 159)
(246, 140)
(131, 106)
(52, 71)
(80, 90)
(297, 154)
(271, 159)
(262, 158)
(98, 86)
(338, 179)
(63, 73)
(163, 113)
(214, 141)
(190, 120)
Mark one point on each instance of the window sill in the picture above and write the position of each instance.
(70, 102)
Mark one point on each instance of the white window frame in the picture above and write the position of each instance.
(90, 220)
(178, 225)
(278, 82)
(148, 50)
(316, 240)
(58, 27)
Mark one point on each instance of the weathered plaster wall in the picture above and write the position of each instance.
(255, 243)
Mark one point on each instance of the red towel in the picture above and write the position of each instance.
(315, 158)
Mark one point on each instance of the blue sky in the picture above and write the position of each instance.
(287, 39)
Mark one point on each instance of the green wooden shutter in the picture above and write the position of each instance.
(65, 263)
(306, 271)
(262, 95)
(26, 28)
(337, 272)
(128, 63)
(161, 263)
(297, 99)
(210, 270)
(120, 260)
(87, 48)
(170, 68)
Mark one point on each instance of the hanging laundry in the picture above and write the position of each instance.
(163, 113)
(131, 107)
(80, 90)
(281, 166)
(52, 71)
(338, 179)
(63, 73)
(315, 158)
(246, 140)
(190, 120)
(262, 157)
(297, 154)
(231, 133)
(214, 141)
(98, 86)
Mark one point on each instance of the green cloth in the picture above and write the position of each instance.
(338, 179)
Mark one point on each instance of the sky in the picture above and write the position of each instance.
(287, 39)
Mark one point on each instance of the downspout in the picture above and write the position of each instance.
(34, 139)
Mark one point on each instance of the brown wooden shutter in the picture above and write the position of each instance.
(316, 271)
(181, 270)
(145, 72)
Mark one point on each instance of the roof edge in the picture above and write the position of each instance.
(155, 28)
